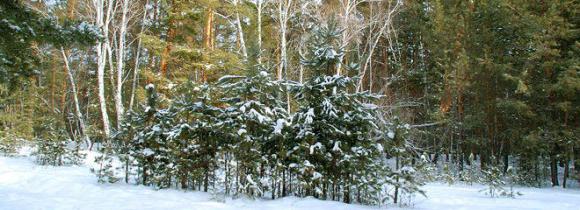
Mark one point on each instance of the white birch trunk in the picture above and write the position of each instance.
(259, 6)
(119, 108)
(241, 32)
(384, 30)
(78, 112)
(283, 9)
(102, 21)
(137, 56)
(346, 8)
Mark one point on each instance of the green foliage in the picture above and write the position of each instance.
(23, 30)
(57, 150)
(50, 151)
(9, 144)
(495, 182)
(104, 169)
(470, 174)
(238, 133)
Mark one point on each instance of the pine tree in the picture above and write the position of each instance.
(198, 137)
(104, 169)
(496, 181)
(151, 146)
(403, 176)
(337, 153)
(259, 116)
(23, 30)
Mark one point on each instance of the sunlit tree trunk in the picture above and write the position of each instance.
(137, 57)
(259, 6)
(208, 39)
(119, 108)
(102, 19)
(170, 35)
(78, 112)
(283, 10)
(240, 32)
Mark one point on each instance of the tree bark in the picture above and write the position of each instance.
(208, 39)
(78, 112)
(170, 35)
(102, 17)
(283, 9)
(554, 171)
(137, 57)
(566, 173)
(241, 32)
(259, 7)
(119, 108)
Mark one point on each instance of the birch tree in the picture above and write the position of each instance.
(119, 108)
(240, 30)
(137, 57)
(283, 16)
(260, 7)
(386, 29)
(78, 113)
(347, 11)
(103, 12)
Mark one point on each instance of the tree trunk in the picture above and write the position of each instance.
(554, 171)
(170, 35)
(259, 7)
(505, 162)
(78, 112)
(346, 190)
(119, 108)
(102, 17)
(208, 39)
(283, 9)
(566, 173)
(241, 32)
(137, 56)
(396, 197)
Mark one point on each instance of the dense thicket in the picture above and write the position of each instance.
(236, 136)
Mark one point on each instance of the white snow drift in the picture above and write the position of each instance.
(26, 186)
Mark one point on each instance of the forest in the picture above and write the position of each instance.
(358, 101)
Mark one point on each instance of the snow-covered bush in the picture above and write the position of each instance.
(403, 173)
(470, 174)
(104, 169)
(496, 182)
(427, 171)
(53, 147)
(9, 144)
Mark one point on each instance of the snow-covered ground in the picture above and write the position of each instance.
(26, 186)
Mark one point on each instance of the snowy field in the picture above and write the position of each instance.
(26, 186)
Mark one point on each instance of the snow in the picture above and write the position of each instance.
(253, 114)
(149, 86)
(309, 116)
(391, 134)
(380, 147)
(148, 152)
(24, 185)
(228, 77)
(314, 146)
(336, 147)
(279, 125)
